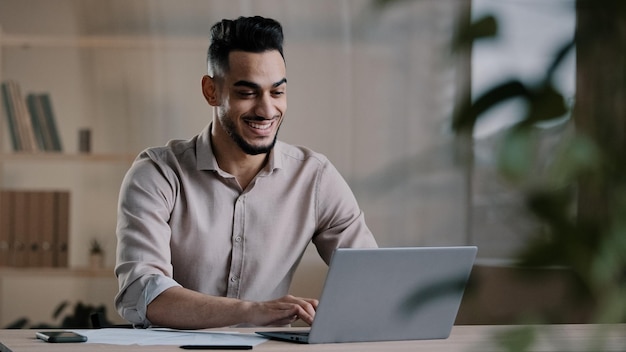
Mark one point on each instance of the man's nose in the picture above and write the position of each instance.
(266, 107)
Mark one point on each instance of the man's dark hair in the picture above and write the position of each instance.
(252, 34)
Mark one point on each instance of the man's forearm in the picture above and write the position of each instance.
(181, 308)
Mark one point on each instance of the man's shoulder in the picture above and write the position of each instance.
(174, 151)
(300, 154)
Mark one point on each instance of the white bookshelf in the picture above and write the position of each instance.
(112, 84)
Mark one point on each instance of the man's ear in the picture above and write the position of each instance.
(209, 90)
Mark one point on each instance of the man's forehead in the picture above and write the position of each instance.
(249, 55)
(266, 68)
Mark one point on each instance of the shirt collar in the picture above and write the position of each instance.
(275, 160)
(206, 158)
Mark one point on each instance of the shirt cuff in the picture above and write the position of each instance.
(155, 286)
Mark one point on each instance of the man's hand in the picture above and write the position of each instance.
(283, 311)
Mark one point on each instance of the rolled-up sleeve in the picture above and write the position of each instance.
(143, 266)
(341, 223)
(132, 303)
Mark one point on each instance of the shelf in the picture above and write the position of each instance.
(56, 157)
(111, 42)
(47, 272)
(121, 82)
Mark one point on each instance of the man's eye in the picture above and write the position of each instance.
(278, 93)
(246, 93)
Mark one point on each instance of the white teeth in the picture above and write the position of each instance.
(260, 126)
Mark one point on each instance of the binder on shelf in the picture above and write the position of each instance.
(20, 229)
(62, 217)
(35, 227)
(6, 228)
(47, 201)
(32, 236)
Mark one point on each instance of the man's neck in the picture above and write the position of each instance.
(236, 162)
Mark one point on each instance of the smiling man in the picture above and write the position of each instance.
(250, 102)
(211, 229)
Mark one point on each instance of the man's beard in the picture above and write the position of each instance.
(247, 148)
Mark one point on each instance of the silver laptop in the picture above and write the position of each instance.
(388, 294)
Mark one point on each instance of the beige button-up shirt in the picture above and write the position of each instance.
(182, 221)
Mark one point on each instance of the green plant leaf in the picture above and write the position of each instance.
(469, 113)
(546, 103)
(577, 156)
(515, 158)
(483, 28)
(59, 309)
(559, 58)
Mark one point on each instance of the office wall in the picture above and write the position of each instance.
(372, 88)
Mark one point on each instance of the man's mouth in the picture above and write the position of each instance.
(260, 125)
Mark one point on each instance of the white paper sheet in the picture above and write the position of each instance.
(147, 337)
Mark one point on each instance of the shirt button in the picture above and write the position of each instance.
(234, 279)
(238, 239)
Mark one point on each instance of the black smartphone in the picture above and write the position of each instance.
(60, 336)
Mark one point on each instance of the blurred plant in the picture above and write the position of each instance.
(77, 318)
(580, 197)
(95, 247)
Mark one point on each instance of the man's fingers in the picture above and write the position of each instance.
(303, 302)
(288, 309)
(306, 309)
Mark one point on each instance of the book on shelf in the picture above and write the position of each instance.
(22, 133)
(11, 115)
(35, 227)
(31, 120)
(36, 114)
(44, 124)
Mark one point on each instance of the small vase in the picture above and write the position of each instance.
(96, 261)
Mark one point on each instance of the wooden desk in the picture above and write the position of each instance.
(463, 339)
